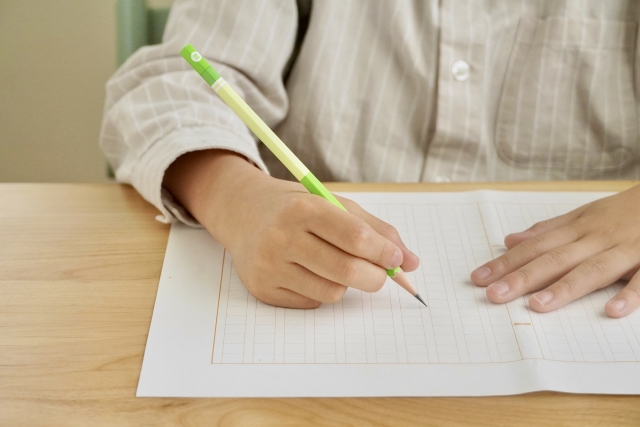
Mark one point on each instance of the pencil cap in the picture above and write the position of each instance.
(199, 64)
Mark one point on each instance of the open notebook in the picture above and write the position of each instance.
(210, 337)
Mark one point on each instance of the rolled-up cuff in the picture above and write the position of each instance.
(148, 172)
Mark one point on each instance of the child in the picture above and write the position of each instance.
(389, 91)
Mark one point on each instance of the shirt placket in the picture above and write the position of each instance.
(454, 150)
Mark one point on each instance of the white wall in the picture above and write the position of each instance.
(55, 58)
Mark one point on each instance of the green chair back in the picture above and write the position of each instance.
(137, 26)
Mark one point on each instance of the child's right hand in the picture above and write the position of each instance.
(289, 247)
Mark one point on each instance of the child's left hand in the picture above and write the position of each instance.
(570, 256)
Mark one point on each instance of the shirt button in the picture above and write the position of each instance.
(440, 178)
(461, 70)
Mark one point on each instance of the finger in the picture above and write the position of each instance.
(542, 271)
(410, 260)
(522, 254)
(351, 234)
(627, 300)
(335, 265)
(310, 285)
(542, 227)
(282, 297)
(596, 272)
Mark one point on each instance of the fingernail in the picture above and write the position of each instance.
(543, 297)
(618, 304)
(396, 259)
(500, 288)
(482, 272)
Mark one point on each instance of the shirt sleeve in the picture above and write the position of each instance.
(158, 108)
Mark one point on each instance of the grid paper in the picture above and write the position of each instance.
(460, 326)
(210, 338)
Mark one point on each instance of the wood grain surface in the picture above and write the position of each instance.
(79, 270)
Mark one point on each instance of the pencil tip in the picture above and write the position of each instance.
(419, 298)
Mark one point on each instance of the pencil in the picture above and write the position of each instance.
(274, 144)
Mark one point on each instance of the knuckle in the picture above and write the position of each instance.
(334, 294)
(556, 258)
(389, 230)
(525, 275)
(503, 263)
(596, 266)
(275, 237)
(299, 205)
(349, 270)
(581, 224)
(533, 247)
(565, 286)
(386, 252)
(540, 226)
(575, 230)
(360, 236)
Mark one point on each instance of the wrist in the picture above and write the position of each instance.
(207, 183)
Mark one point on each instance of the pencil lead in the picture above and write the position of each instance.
(419, 298)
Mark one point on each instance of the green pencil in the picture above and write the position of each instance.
(275, 144)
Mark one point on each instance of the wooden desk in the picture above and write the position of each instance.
(79, 269)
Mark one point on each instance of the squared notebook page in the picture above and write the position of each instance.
(210, 337)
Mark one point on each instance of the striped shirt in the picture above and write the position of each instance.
(381, 90)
